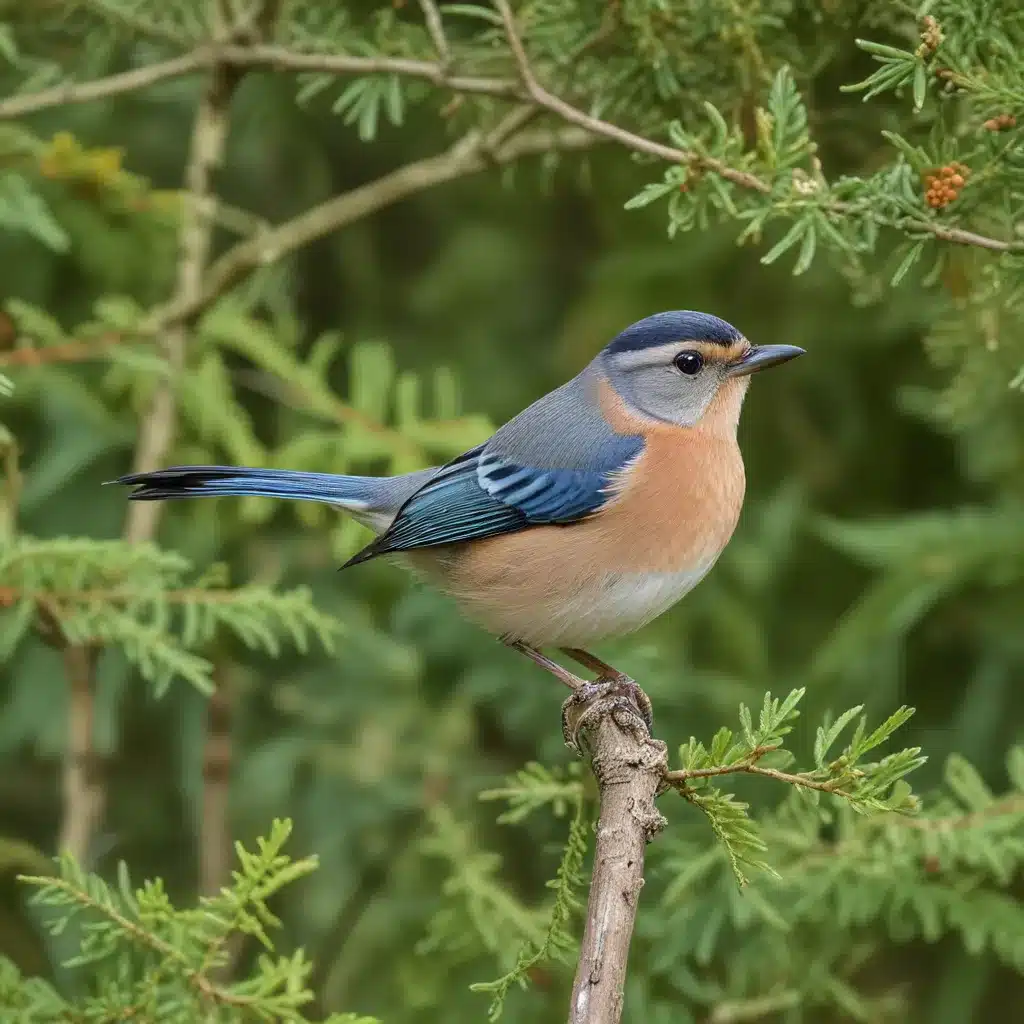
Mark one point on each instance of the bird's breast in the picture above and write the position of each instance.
(674, 512)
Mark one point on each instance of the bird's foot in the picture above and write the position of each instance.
(588, 704)
(612, 692)
(609, 674)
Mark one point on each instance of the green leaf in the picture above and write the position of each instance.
(22, 209)
(920, 85)
(472, 11)
(912, 255)
(827, 736)
(650, 194)
(881, 50)
(966, 783)
(806, 255)
(788, 240)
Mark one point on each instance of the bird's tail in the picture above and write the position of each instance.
(358, 494)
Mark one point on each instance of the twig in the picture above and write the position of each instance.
(470, 155)
(738, 1010)
(959, 236)
(679, 779)
(10, 494)
(435, 27)
(84, 794)
(277, 58)
(325, 407)
(66, 352)
(198, 979)
(954, 823)
(628, 765)
(214, 831)
(131, 17)
(209, 133)
(637, 143)
(255, 56)
(105, 88)
(52, 602)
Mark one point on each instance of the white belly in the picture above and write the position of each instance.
(618, 604)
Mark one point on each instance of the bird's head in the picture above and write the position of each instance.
(672, 366)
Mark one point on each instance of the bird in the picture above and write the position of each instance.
(584, 517)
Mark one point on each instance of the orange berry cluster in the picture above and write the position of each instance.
(1000, 123)
(942, 187)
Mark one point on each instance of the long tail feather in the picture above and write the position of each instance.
(352, 492)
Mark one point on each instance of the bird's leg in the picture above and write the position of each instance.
(563, 675)
(595, 664)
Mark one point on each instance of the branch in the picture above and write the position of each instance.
(52, 601)
(147, 939)
(209, 133)
(539, 95)
(84, 795)
(679, 779)
(959, 236)
(105, 88)
(435, 27)
(278, 58)
(10, 491)
(214, 831)
(256, 56)
(470, 155)
(66, 352)
(737, 1010)
(629, 766)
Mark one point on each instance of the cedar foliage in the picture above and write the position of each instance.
(869, 161)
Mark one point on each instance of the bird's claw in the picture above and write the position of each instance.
(588, 703)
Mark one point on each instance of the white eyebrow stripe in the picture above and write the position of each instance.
(661, 354)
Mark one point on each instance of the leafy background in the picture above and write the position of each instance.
(878, 560)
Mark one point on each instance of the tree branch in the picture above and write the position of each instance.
(470, 155)
(251, 57)
(209, 133)
(84, 794)
(628, 765)
(435, 26)
(637, 143)
(278, 58)
(214, 831)
(680, 779)
(105, 88)
(66, 352)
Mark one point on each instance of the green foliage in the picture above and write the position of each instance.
(142, 957)
(479, 911)
(915, 877)
(878, 561)
(559, 939)
(147, 603)
(874, 787)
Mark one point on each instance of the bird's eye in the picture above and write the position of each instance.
(689, 363)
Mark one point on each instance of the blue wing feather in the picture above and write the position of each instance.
(493, 489)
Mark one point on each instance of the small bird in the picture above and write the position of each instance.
(584, 517)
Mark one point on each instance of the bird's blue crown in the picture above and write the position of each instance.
(675, 325)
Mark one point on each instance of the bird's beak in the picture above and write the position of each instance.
(760, 357)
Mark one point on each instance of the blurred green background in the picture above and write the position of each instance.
(512, 280)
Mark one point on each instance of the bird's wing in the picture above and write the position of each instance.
(555, 463)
